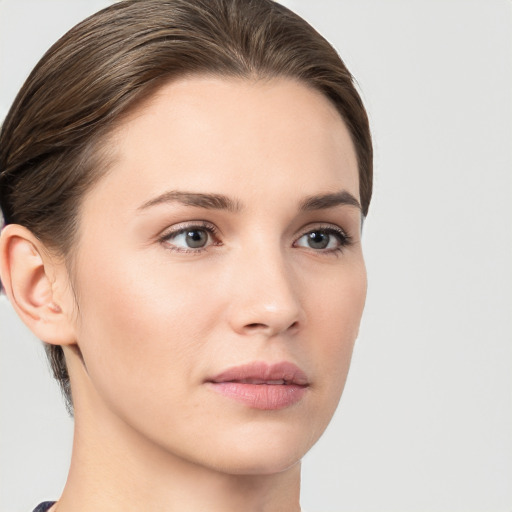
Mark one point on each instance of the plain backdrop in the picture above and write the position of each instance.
(425, 423)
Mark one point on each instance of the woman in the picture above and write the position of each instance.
(183, 186)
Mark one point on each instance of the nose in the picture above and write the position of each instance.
(264, 297)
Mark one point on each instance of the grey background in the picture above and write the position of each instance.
(426, 418)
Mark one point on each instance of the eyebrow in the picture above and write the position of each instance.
(222, 202)
(324, 201)
(210, 201)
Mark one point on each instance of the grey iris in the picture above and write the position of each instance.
(196, 238)
(318, 240)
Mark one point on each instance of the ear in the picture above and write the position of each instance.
(35, 284)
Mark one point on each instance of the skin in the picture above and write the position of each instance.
(145, 319)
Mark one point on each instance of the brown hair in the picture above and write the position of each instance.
(88, 80)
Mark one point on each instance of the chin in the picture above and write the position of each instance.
(262, 463)
(264, 449)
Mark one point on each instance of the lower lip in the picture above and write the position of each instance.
(261, 396)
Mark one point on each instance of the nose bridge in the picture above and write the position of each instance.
(267, 297)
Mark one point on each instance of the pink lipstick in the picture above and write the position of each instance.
(262, 386)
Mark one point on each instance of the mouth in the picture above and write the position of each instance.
(262, 386)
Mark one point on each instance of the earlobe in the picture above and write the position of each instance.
(29, 275)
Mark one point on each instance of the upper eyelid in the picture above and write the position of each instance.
(177, 229)
(324, 227)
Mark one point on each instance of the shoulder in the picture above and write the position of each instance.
(44, 507)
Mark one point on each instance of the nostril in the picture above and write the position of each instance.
(260, 326)
(256, 326)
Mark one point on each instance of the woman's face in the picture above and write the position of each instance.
(219, 273)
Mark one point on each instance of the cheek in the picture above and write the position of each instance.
(335, 310)
(337, 301)
(141, 327)
(335, 318)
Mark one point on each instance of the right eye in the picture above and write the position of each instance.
(190, 238)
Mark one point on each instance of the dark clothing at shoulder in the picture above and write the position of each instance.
(43, 507)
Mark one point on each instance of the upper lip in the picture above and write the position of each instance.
(260, 372)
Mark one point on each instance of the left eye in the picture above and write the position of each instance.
(323, 239)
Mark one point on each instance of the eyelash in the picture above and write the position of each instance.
(179, 230)
(344, 239)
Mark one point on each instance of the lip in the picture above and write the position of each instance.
(260, 385)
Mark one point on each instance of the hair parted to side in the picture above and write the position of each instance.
(51, 140)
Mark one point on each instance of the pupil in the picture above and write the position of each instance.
(196, 238)
(318, 240)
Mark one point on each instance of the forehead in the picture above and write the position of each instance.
(232, 136)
